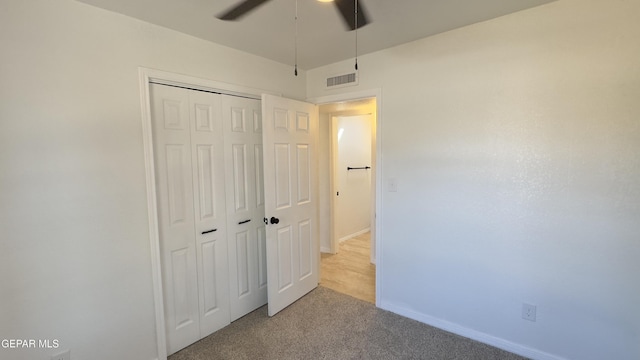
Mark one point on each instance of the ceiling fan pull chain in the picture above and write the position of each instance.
(295, 45)
(356, 15)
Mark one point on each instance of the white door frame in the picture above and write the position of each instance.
(146, 76)
(376, 230)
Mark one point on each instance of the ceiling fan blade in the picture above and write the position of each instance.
(347, 10)
(238, 11)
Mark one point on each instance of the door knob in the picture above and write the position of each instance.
(274, 220)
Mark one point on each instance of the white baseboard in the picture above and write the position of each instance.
(325, 249)
(363, 231)
(470, 333)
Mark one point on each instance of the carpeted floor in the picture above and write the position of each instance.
(325, 324)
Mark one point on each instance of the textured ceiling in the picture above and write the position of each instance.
(269, 31)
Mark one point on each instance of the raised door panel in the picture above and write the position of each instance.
(181, 284)
(205, 154)
(303, 170)
(259, 176)
(305, 249)
(262, 257)
(177, 177)
(282, 168)
(242, 263)
(284, 258)
(240, 181)
(209, 250)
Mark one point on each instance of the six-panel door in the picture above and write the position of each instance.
(291, 191)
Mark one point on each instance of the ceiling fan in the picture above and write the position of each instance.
(347, 9)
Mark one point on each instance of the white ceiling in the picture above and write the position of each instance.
(269, 30)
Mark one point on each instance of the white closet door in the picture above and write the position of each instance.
(245, 204)
(188, 164)
(207, 145)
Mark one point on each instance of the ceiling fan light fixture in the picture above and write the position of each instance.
(346, 8)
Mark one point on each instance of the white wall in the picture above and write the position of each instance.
(516, 146)
(74, 248)
(353, 206)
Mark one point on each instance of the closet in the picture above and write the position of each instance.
(210, 202)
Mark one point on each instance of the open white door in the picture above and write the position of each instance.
(290, 132)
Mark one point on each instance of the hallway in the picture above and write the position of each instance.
(350, 270)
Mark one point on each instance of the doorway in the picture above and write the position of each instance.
(347, 142)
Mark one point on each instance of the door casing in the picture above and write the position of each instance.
(377, 158)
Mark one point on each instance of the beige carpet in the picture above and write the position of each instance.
(325, 324)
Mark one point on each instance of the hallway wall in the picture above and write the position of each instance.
(326, 112)
(353, 205)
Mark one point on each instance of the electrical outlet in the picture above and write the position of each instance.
(529, 312)
(65, 355)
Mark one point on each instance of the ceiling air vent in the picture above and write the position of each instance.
(342, 80)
